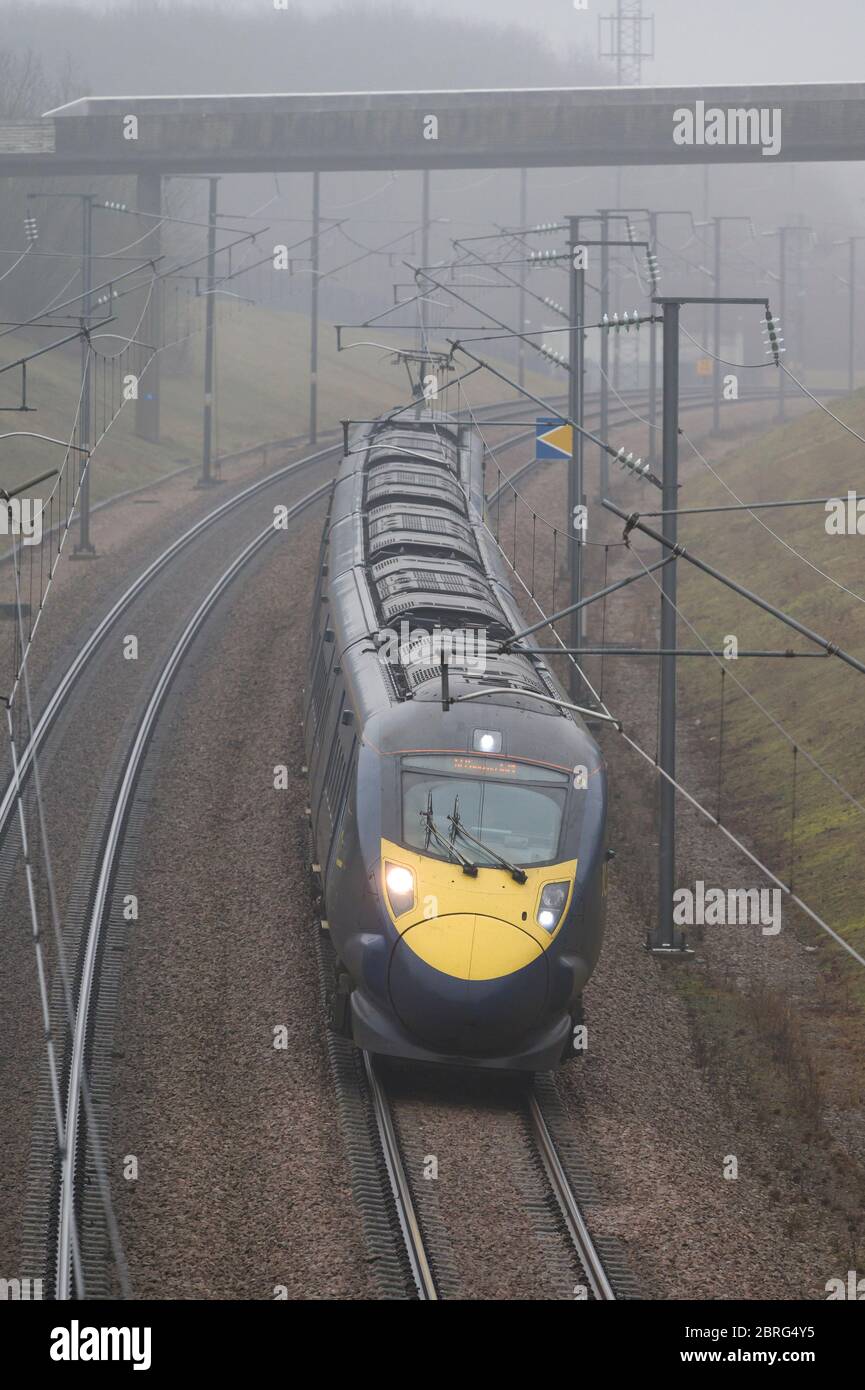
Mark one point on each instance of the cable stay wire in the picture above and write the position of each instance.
(860, 598)
(785, 733)
(60, 481)
(24, 254)
(506, 481)
(707, 352)
(118, 1253)
(21, 681)
(156, 277)
(838, 421)
(678, 786)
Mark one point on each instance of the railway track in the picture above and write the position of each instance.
(72, 1165)
(587, 1252)
(68, 1178)
(412, 1234)
(87, 651)
(84, 956)
(598, 1284)
(89, 648)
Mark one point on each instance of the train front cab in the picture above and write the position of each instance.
(447, 966)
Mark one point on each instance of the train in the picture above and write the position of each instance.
(457, 806)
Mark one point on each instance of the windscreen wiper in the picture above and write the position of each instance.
(514, 870)
(450, 849)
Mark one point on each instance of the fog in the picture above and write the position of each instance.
(55, 51)
(696, 41)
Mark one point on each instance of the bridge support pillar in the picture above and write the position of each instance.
(149, 200)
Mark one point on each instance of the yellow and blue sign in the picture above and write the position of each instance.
(554, 438)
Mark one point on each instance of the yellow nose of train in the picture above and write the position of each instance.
(468, 968)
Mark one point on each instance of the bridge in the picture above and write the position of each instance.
(542, 127)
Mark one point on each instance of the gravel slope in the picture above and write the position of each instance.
(243, 1182)
(659, 1116)
(75, 763)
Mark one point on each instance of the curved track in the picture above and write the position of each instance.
(77, 666)
(71, 1164)
(62, 690)
(90, 646)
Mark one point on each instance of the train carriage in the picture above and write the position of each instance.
(458, 824)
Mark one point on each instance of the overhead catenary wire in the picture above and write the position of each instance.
(766, 527)
(368, 197)
(61, 484)
(507, 482)
(707, 352)
(16, 710)
(788, 889)
(24, 254)
(694, 801)
(838, 421)
(724, 666)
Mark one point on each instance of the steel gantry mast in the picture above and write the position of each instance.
(627, 37)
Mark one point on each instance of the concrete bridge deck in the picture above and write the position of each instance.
(542, 127)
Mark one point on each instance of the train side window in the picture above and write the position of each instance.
(344, 783)
(340, 823)
(326, 743)
(319, 682)
(333, 778)
(333, 769)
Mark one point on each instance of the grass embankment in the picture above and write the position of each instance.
(262, 393)
(820, 702)
(790, 1049)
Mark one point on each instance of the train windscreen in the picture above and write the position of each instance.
(514, 809)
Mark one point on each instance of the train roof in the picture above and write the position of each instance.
(413, 572)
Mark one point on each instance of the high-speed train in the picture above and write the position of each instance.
(458, 816)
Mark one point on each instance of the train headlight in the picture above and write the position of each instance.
(399, 884)
(552, 905)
